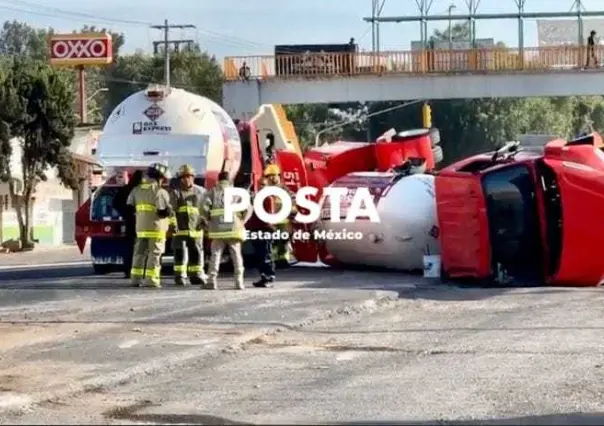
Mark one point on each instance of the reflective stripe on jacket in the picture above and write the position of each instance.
(284, 224)
(147, 199)
(218, 228)
(187, 204)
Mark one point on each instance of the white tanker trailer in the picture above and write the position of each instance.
(170, 126)
(407, 228)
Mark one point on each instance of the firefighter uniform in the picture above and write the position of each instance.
(152, 205)
(263, 247)
(281, 248)
(187, 223)
(223, 234)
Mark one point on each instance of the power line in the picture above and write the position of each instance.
(107, 79)
(166, 42)
(60, 13)
(33, 8)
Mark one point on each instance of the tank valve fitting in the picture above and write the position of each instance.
(376, 238)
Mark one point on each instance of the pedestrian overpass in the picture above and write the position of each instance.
(399, 76)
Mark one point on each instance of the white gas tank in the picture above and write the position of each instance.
(408, 227)
(173, 127)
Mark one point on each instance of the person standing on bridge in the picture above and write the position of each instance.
(152, 204)
(591, 50)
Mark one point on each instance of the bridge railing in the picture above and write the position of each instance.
(443, 61)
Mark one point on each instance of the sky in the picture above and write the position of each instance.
(253, 27)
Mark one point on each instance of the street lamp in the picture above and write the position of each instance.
(451, 7)
(102, 89)
(361, 119)
(84, 107)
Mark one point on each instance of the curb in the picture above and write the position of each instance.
(161, 364)
(38, 266)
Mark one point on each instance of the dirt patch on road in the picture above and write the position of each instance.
(32, 376)
(16, 336)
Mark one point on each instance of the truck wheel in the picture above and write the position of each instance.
(101, 269)
(437, 153)
(433, 133)
(444, 277)
(434, 136)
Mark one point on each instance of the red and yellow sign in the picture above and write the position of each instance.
(81, 49)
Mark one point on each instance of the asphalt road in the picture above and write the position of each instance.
(325, 346)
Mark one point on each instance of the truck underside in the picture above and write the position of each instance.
(525, 217)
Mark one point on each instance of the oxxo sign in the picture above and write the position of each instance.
(81, 49)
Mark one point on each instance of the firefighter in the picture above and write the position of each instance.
(129, 215)
(281, 248)
(152, 205)
(223, 234)
(263, 247)
(187, 225)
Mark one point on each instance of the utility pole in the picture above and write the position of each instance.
(166, 42)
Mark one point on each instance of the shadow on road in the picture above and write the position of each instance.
(50, 272)
(407, 286)
(415, 286)
(178, 419)
(129, 414)
(548, 419)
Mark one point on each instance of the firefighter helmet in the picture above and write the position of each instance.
(158, 171)
(186, 170)
(272, 169)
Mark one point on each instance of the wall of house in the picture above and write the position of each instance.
(52, 218)
(53, 204)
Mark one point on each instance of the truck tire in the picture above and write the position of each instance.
(100, 269)
(433, 133)
(434, 136)
(413, 133)
(438, 154)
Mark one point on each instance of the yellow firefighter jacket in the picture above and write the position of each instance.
(218, 228)
(284, 225)
(188, 219)
(147, 199)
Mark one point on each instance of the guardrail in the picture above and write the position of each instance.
(443, 61)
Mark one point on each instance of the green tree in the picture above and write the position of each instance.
(311, 120)
(20, 39)
(458, 32)
(192, 70)
(36, 114)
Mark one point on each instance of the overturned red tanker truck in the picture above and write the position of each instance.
(525, 216)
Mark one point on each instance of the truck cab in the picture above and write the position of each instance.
(528, 216)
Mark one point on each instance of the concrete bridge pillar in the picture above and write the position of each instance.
(241, 99)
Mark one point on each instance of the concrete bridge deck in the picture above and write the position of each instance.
(387, 76)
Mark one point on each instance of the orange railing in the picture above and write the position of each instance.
(411, 62)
